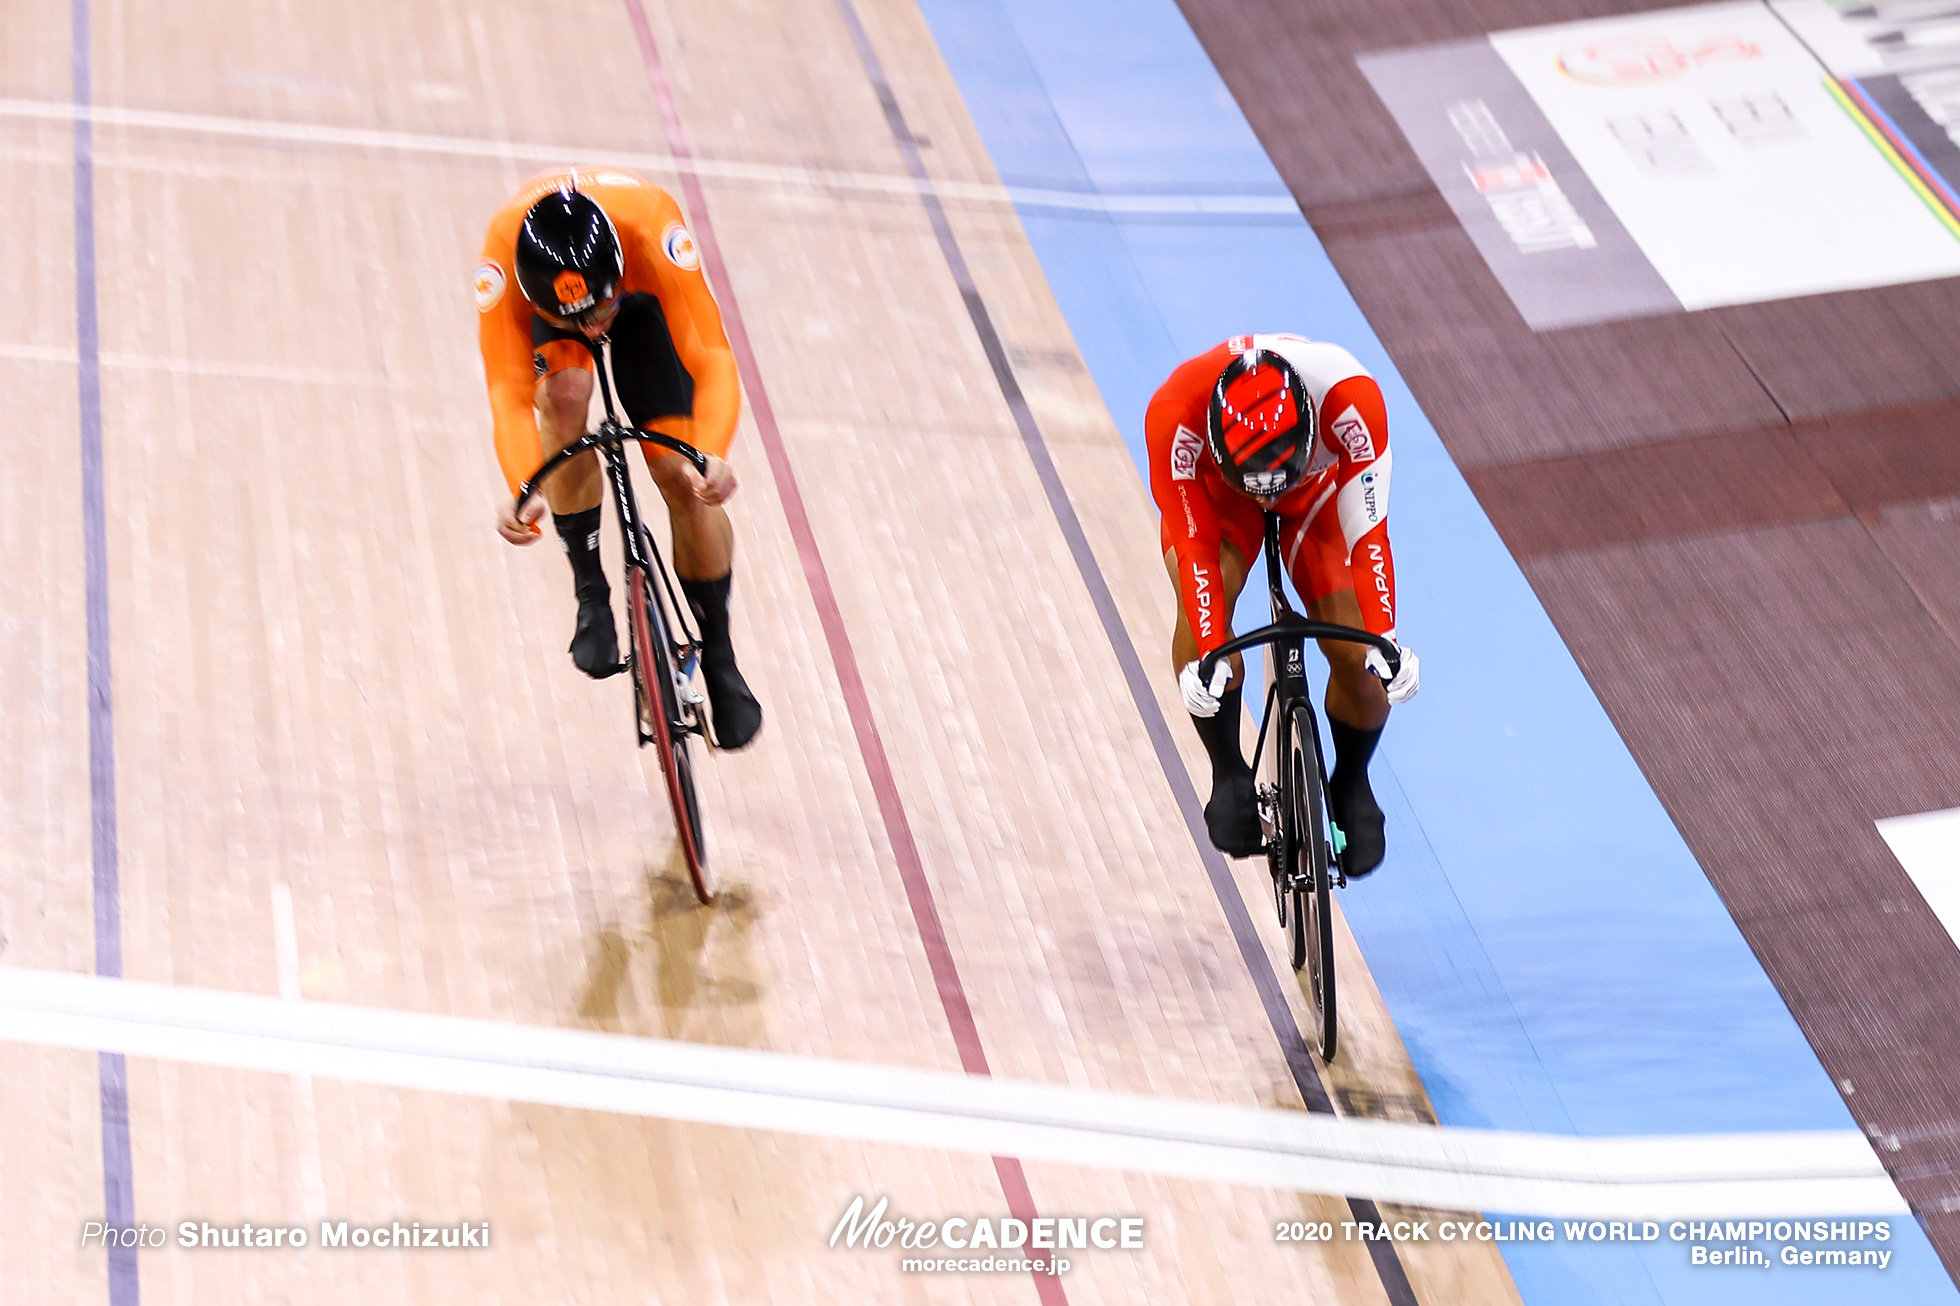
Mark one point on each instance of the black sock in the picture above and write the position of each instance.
(1220, 734)
(1352, 749)
(737, 715)
(709, 600)
(579, 533)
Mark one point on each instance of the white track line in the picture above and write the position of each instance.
(295, 133)
(1788, 1175)
(65, 354)
(285, 944)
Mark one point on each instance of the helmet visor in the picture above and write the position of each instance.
(587, 310)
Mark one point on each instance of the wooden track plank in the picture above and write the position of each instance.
(51, 1129)
(336, 690)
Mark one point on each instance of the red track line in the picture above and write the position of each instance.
(898, 829)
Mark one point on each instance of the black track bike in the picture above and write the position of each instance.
(1303, 844)
(664, 649)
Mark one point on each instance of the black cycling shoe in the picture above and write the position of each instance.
(1232, 817)
(595, 644)
(1360, 819)
(737, 716)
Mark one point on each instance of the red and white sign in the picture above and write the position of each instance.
(1353, 434)
(1642, 59)
(1186, 446)
(1712, 133)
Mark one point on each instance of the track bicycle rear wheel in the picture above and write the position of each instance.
(1310, 928)
(657, 708)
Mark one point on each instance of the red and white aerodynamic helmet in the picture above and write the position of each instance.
(1261, 424)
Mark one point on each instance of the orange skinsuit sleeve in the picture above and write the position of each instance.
(1173, 427)
(504, 334)
(1354, 421)
(661, 257)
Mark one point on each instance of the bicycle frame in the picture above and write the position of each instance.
(1304, 847)
(1287, 636)
(1287, 682)
(610, 440)
(665, 706)
(1289, 625)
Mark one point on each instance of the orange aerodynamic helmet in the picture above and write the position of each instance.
(1261, 424)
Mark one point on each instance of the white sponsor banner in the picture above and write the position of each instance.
(1827, 34)
(1928, 846)
(1712, 133)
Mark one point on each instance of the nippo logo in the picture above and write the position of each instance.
(1644, 60)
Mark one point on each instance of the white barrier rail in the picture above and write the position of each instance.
(1789, 1175)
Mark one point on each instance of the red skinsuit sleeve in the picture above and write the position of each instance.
(1173, 428)
(1354, 424)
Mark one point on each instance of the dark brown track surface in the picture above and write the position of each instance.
(1745, 523)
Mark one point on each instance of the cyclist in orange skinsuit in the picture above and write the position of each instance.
(599, 252)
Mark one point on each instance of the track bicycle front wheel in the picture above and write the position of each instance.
(657, 708)
(1282, 842)
(1310, 923)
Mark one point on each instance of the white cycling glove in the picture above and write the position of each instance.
(1403, 685)
(1201, 699)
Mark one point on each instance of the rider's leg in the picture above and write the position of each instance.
(1357, 709)
(1355, 697)
(1357, 705)
(1231, 813)
(704, 553)
(704, 538)
(573, 495)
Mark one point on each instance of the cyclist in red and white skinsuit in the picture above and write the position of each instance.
(1297, 426)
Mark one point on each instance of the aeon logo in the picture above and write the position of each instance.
(1644, 60)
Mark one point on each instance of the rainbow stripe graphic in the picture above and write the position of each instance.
(1898, 150)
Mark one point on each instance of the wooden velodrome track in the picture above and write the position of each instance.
(351, 760)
